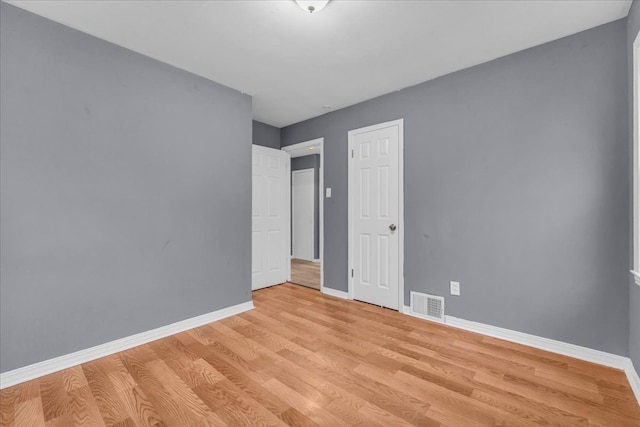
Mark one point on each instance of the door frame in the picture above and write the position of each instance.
(351, 136)
(313, 220)
(301, 149)
(635, 163)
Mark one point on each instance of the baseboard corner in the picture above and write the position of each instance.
(634, 379)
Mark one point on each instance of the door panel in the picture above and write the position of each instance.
(270, 217)
(374, 197)
(302, 196)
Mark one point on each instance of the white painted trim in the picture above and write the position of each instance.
(295, 147)
(288, 221)
(66, 361)
(635, 108)
(321, 213)
(400, 124)
(401, 214)
(636, 277)
(335, 293)
(571, 350)
(634, 379)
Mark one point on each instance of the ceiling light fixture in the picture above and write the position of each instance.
(312, 5)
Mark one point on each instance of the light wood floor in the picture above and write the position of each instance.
(305, 273)
(302, 358)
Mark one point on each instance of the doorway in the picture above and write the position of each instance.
(307, 190)
(376, 217)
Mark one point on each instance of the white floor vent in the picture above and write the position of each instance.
(429, 307)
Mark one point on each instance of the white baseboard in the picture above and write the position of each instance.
(316, 260)
(634, 379)
(46, 367)
(335, 293)
(571, 350)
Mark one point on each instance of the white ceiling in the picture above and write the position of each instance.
(293, 63)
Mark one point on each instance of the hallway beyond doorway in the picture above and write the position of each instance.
(305, 273)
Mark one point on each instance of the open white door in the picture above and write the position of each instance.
(270, 217)
(302, 199)
(375, 213)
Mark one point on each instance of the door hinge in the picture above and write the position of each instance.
(352, 154)
(352, 272)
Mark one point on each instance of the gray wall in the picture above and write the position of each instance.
(311, 162)
(266, 135)
(516, 185)
(117, 215)
(633, 26)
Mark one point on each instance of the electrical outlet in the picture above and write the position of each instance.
(455, 288)
(328, 193)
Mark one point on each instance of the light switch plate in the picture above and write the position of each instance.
(328, 193)
(455, 288)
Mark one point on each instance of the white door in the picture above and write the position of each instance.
(302, 221)
(374, 197)
(270, 217)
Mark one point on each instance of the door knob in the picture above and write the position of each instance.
(392, 227)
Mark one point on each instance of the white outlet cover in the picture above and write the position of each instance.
(455, 288)
(328, 193)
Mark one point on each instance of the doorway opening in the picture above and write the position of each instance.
(307, 190)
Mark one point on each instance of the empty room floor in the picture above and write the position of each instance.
(303, 358)
(305, 273)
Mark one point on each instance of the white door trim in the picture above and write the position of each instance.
(636, 159)
(299, 150)
(352, 133)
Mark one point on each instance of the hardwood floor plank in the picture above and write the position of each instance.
(109, 404)
(195, 409)
(293, 417)
(350, 415)
(53, 395)
(83, 408)
(29, 413)
(7, 407)
(26, 391)
(73, 378)
(311, 409)
(233, 407)
(302, 358)
(139, 408)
